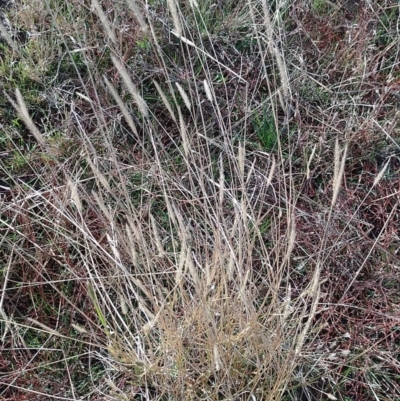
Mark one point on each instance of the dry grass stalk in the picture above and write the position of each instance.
(21, 108)
(122, 107)
(173, 8)
(185, 97)
(165, 100)
(279, 59)
(137, 13)
(131, 87)
(104, 20)
(74, 195)
(339, 165)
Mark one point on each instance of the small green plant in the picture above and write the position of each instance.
(143, 43)
(265, 129)
(320, 7)
(219, 78)
(265, 226)
(18, 161)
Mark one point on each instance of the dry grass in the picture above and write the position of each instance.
(204, 201)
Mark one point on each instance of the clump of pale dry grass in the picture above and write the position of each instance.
(186, 300)
(167, 267)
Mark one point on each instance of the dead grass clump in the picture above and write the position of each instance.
(203, 202)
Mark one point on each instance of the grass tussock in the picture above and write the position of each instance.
(199, 200)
